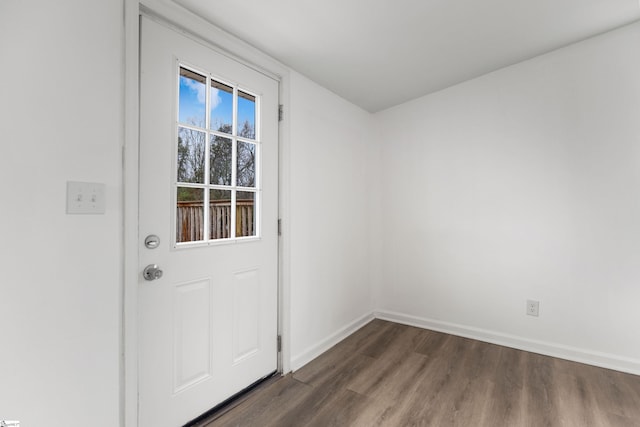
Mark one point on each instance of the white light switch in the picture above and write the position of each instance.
(85, 198)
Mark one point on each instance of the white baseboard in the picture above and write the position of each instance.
(602, 360)
(316, 350)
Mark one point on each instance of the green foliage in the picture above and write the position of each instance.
(186, 194)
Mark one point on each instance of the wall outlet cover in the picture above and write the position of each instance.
(533, 308)
(85, 198)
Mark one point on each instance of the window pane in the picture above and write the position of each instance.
(246, 115)
(191, 155)
(246, 172)
(190, 214)
(245, 213)
(220, 160)
(221, 107)
(219, 213)
(232, 116)
(192, 96)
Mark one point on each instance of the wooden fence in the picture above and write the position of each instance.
(189, 217)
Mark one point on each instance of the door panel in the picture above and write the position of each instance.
(208, 325)
(246, 314)
(192, 333)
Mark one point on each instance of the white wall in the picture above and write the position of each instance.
(61, 109)
(520, 184)
(330, 291)
(523, 183)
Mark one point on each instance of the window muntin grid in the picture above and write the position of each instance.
(217, 161)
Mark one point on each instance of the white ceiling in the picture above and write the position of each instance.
(380, 53)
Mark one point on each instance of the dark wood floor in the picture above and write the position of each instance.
(388, 374)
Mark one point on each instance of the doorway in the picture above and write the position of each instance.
(208, 237)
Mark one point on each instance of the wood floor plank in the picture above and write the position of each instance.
(439, 393)
(367, 334)
(613, 396)
(395, 368)
(344, 414)
(539, 391)
(506, 395)
(389, 383)
(265, 404)
(464, 395)
(326, 394)
(630, 387)
(391, 375)
(573, 397)
(619, 421)
(431, 343)
(326, 365)
(384, 341)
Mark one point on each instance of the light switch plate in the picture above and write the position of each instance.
(85, 198)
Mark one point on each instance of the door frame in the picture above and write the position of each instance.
(178, 18)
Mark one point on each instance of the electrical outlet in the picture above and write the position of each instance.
(533, 307)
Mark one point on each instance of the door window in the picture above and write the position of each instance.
(217, 188)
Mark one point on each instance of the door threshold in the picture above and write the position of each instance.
(233, 401)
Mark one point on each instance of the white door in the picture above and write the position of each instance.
(208, 220)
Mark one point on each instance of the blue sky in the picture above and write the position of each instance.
(192, 105)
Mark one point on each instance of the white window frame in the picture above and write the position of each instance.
(207, 186)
